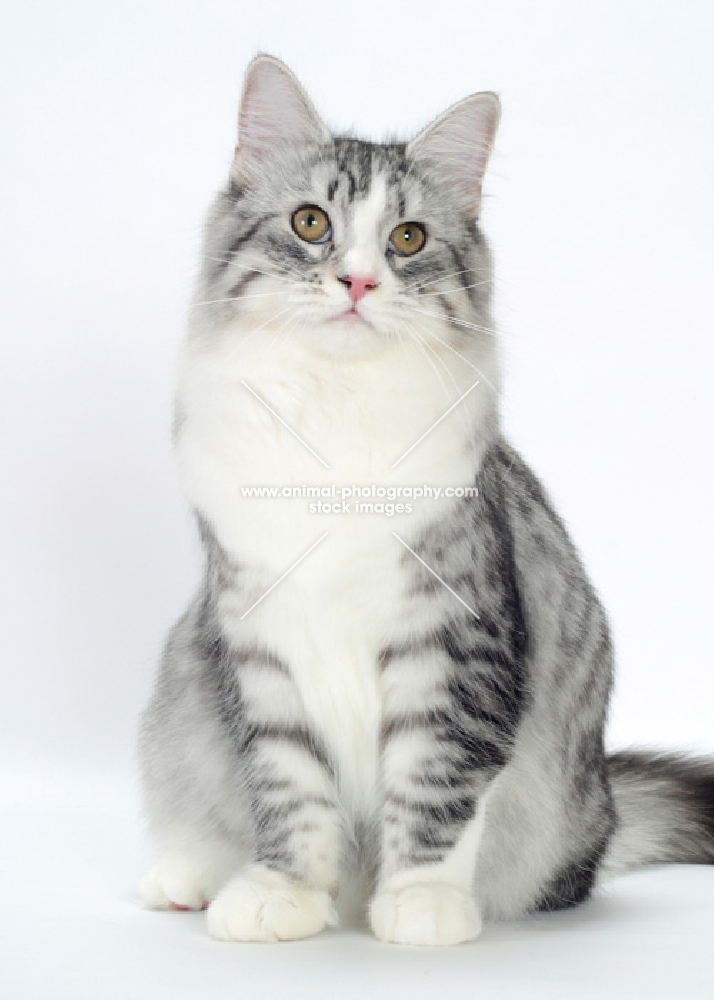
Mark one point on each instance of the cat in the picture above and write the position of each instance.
(419, 679)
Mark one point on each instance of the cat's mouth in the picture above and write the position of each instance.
(352, 316)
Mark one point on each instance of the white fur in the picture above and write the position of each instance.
(360, 408)
(432, 904)
(425, 914)
(363, 257)
(328, 616)
(334, 607)
(261, 905)
(178, 882)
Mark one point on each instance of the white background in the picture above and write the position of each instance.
(117, 126)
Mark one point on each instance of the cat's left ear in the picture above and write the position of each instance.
(275, 115)
(458, 144)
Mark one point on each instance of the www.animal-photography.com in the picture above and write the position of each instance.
(357, 512)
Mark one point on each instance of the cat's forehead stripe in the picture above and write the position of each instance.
(358, 165)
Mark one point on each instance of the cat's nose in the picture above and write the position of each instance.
(358, 285)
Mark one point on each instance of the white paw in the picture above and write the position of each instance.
(426, 914)
(260, 905)
(174, 884)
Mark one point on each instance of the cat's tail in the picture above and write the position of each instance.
(665, 807)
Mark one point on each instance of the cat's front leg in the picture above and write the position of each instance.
(447, 734)
(287, 890)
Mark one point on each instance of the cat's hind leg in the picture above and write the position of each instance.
(182, 881)
(193, 796)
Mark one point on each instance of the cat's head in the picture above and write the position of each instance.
(348, 245)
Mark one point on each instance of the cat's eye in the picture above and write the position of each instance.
(407, 239)
(311, 224)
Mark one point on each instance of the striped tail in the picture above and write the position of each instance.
(665, 808)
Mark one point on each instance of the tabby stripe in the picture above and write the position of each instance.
(464, 275)
(446, 306)
(446, 782)
(273, 813)
(449, 811)
(261, 658)
(238, 242)
(444, 640)
(240, 286)
(474, 753)
(288, 246)
(298, 735)
(352, 186)
(424, 837)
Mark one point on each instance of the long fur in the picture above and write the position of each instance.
(423, 687)
(665, 809)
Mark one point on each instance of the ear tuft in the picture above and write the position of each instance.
(275, 114)
(458, 144)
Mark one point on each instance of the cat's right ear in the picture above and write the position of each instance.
(275, 115)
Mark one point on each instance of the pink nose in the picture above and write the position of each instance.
(357, 286)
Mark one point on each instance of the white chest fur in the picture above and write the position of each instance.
(330, 615)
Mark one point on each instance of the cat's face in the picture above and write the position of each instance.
(348, 245)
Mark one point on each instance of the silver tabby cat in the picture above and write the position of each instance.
(418, 679)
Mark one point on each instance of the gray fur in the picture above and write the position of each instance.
(242, 239)
(521, 689)
(530, 682)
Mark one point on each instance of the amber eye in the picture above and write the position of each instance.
(407, 239)
(311, 224)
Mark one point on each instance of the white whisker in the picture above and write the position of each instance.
(422, 347)
(467, 423)
(218, 260)
(443, 277)
(464, 359)
(438, 357)
(447, 291)
(286, 274)
(239, 298)
(460, 322)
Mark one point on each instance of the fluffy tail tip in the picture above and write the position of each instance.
(665, 809)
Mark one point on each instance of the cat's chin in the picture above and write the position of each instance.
(348, 337)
